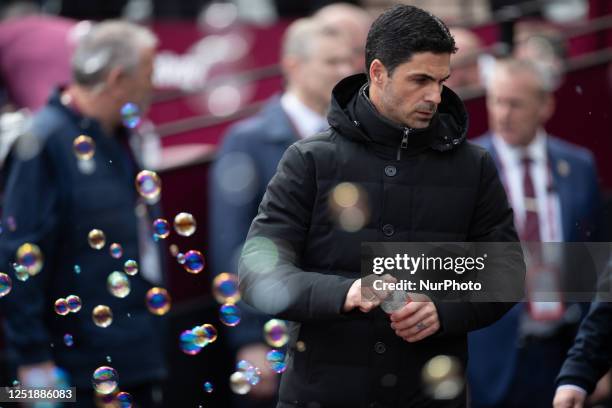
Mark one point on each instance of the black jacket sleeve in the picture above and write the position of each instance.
(271, 279)
(31, 200)
(591, 355)
(491, 222)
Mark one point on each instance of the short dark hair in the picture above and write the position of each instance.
(402, 31)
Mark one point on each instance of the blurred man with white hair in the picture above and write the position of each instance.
(314, 58)
(73, 173)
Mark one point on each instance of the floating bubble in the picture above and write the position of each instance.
(30, 256)
(194, 261)
(21, 272)
(5, 284)
(349, 206)
(276, 361)
(208, 387)
(180, 258)
(252, 373)
(130, 115)
(184, 224)
(443, 377)
(118, 284)
(77, 269)
(61, 307)
(124, 399)
(109, 359)
(300, 346)
(74, 303)
(225, 288)
(174, 250)
(84, 147)
(116, 250)
(158, 301)
(229, 314)
(148, 184)
(105, 380)
(16, 383)
(96, 239)
(188, 343)
(161, 228)
(239, 383)
(275, 333)
(68, 340)
(205, 334)
(130, 267)
(102, 316)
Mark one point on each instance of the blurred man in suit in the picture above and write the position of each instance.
(314, 58)
(553, 189)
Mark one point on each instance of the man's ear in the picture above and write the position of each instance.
(289, 65)
(114, 77)
(548, 108)
(378, 72)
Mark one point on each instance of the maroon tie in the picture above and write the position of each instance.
(531, 227)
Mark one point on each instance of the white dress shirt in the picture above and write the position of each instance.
(306, 121)
(512, 173)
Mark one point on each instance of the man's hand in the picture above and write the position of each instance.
(365, 297)
(569, 398)
(256, 355)
(417, 320)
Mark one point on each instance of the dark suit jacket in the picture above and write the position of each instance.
(591, 355)
(494, 360)
(250, 153)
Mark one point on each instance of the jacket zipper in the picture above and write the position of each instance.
(404, 144)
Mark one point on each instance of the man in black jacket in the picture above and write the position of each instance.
(396, 147)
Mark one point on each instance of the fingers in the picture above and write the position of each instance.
(408, 325)
(432, 326)
(567, 398)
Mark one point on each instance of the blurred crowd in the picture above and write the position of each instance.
(84, 228)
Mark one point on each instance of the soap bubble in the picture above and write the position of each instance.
(102, 316)
(30, 256)
(208, 387)
(239, 383)
(158, 301)
(229, 314)
(184, 224)
(68, 340)
(188, 343)
(5, 284)
(148, 185)
(61, 307)
(130, 115)
(116, 250)
(275, 333)
(96, 239)
(84, 147)
(252, 373)
(276, 361)
(225, 288)
(21, 272)
(124, 399)
(194, 261)
(74, 303)
(105, 380)
(130, 267)
(161, 228)
(118, 284)
(443, 377)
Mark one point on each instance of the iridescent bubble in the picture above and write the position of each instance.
(148, 184)
(116, 250)
(194, 261)
(105, 380)
(275, 333)
(252, 373)
(348, 205)
(229, 314)
(96, 239)
(84, 147)
(158, 301)
(188, 343)
(109, 359)
(21, 272)
(130, 267)
(239, 383)
(208, 387)
(161, 228)
(16, 383)
(184, 224)
(118, 284)
(77, 269)
(174, 250)
(443, 377)
(276, 361)
(130, 115)
(225, 288)
(180, 258)
(102, 316)
(61, 307)
(300, 346)
(124, 399)
(30, 256)
(210, 332)
(68, 340)
(74, 303)
(5, 284)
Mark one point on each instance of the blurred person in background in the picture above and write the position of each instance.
(554, 192)
(56, 194)
(355, 22)
(314, 58)
(465, 72)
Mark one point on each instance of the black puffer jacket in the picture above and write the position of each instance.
(422, 185)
